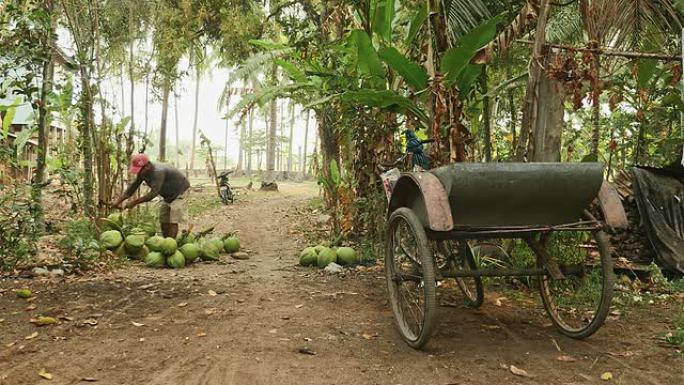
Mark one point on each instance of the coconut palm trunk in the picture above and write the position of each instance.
(162, 131)
(198, 75)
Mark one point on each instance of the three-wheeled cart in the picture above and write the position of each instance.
(435, 217)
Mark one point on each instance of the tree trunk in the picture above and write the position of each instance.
(535, 75)
(511, 102)
(131, 79)
(596, 105)
(289, 147)
(176, 126)
(147, 105)
(162, 129)
(486, 114)
(306, 140)
(549, 122)
(271, 148)
(279, 138)
(198, 75)
(86, 140)
(249, 142)
(44, 122)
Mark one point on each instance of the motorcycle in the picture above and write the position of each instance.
(225, 191)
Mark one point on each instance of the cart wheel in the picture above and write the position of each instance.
(410, 272)
(460, 257)
(578, 304)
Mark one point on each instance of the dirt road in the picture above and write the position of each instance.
(267, 321)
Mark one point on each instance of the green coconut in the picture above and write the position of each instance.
(135, 242)
(111, 239)
(154, 243)
(154, 259)
(231, 244)
(190, 251)
(209, 251)
(218, 243)
(140, 254)
(168, 246)
(150, 228)
(307, 257)
(325, 257)
(176, 261)
(346, 256)
(319, 248)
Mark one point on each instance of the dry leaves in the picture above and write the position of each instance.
(607, 376)
(90, 321)
(367, 336)
(212, 293)
(43, 321)
(566, 359)
(45, 374)
(182, 304)
(518, 372)
(32, 336)
(299, 306)
(137, 324)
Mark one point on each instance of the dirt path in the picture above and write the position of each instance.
(245, 322)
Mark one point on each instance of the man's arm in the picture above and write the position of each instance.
(130, 190)
(155, 188)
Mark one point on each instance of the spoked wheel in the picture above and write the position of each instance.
(459, 257)
(578, 304)
(410, 272)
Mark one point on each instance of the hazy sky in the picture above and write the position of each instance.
(210, 119)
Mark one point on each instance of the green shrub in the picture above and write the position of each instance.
(80, 241)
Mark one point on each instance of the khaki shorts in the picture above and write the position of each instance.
(174, 212)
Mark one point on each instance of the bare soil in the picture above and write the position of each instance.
(267, 321)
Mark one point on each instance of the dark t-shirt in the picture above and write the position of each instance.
(163, 180)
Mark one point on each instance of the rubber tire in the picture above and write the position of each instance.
(428, 267)
(606, 294)
(479, 286)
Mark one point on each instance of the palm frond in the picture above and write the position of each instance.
(464, 15)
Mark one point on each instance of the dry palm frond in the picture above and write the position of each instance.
(519, 26)
(629, 23)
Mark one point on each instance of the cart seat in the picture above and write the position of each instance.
(485, 195)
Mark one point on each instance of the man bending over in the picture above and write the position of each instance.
(163, 180)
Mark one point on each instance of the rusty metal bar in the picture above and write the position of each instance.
(511, 232)
(567, 271)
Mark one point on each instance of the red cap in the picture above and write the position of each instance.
(138, 161)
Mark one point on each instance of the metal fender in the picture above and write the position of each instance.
(423, 193)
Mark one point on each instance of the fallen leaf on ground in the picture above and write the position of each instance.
(182, 304)
(367, 336)
(201, 334)
(137, 324)
(24, 293)
(498, 302)
(518, 372)
(212, 293)
(45, 374)
(491, 327)
(30, 307)
(621, 354)
(43, 321)
(32, 336)
(566, 358)
(2, 320)
(88, 379)
(90, 321)
(209, 311)
(298, 306)
(607, 376)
